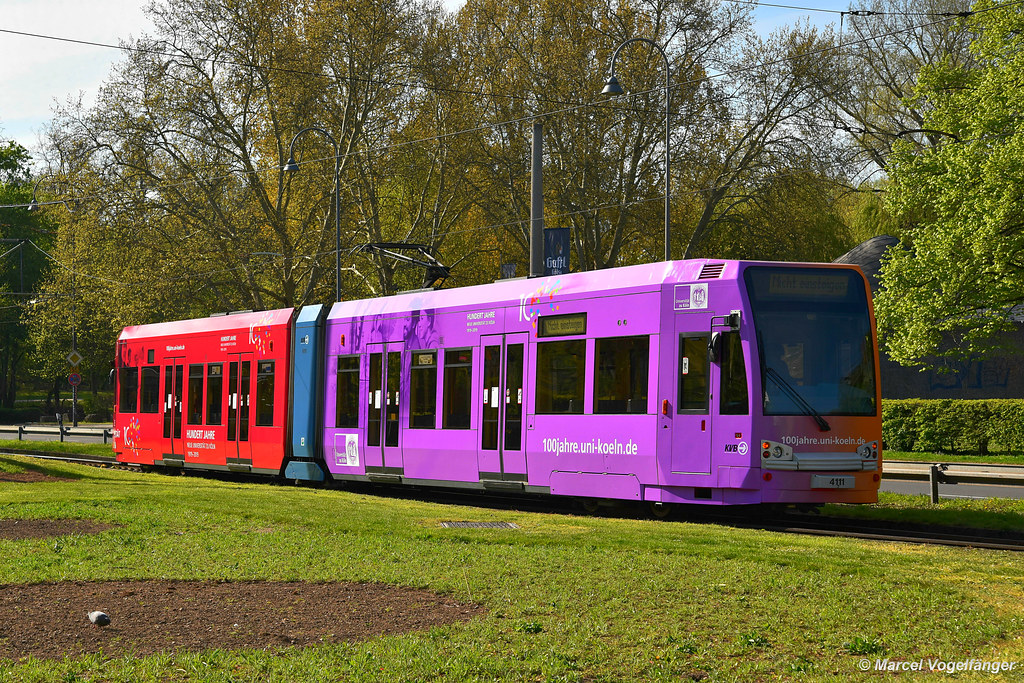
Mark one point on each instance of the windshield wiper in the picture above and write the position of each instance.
(796, 398)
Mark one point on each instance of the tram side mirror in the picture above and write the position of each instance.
(715, 347)
(733, 320)
(110, 378)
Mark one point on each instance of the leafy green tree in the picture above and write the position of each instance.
(865, 212)
(952, 289)
(885, 46)
(24, 237)
(603, 170)
(788, 217)
(769, 131)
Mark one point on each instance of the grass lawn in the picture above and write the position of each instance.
(97, 450)
(570, 598)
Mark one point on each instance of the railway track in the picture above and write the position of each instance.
(893, 532)
(786, 522)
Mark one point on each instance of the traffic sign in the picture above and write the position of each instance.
(74, 379)
(74, 358)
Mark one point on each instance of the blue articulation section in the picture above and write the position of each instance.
(307, 390)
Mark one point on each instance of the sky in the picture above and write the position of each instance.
(37, 72)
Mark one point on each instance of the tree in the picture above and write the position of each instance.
(960, 203)
(182, 206)
(25, 237)
(789, 217)
(885, 45)
(603, 165)
(772, 105)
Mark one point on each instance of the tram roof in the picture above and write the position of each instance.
(212, 324)
(649, 277)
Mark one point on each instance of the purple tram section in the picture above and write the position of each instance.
(597, 384)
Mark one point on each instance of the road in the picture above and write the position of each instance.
(953, 490)
(91, 433)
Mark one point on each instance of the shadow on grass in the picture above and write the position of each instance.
(1001, 514)
(41, 468)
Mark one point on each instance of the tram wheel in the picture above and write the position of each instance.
(590, 505)
(660, 510)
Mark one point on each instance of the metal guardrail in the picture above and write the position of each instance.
(953, 473)
(59, 431)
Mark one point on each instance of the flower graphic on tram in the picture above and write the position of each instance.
(259, 334)
(531, 305)
(132, 431)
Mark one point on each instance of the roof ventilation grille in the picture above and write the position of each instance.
(711, 271)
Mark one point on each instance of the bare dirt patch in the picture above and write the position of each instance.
(21, 529)
(49, 620)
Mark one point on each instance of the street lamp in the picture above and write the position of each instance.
(612, 87)
(292, 167)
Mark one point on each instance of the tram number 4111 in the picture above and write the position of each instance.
(824, 481)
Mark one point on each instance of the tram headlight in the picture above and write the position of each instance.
(868, 451)
(775, 451)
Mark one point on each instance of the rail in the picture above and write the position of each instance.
(953, 473)
(59, 431)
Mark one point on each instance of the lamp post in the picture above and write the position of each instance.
(612, 87)
(74, 356)
(293, 167)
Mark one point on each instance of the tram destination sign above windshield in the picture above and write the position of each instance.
(808, 285)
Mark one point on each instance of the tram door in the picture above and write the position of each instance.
(383, 426)
(691, 421)
(239, 400)
(173, 382)
(502, 455)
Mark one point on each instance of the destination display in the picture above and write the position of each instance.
(562, 325)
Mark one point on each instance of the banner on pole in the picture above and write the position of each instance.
(556, 251)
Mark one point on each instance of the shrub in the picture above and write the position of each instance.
(953, 426)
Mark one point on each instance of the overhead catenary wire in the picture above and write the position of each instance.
(135, 49)
(537, 115)
(482, 127)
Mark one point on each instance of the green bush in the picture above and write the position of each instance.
(101, 405)
(953, 426)
(16, 416)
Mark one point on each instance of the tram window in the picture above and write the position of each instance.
(560, 377)
(734, 377)
(458, 388)
(347, 392)
(423, 390)
(150, 402)
(265, 393)
(621, 375)
(195, 394)
(129, 383)
(214, 393)
(693, 374)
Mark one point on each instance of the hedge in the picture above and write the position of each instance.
(953, 426)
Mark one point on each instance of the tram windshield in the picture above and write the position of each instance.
(814, 340)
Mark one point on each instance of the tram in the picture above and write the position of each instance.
(702, 381)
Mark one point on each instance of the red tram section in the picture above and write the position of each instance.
(210, 393)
